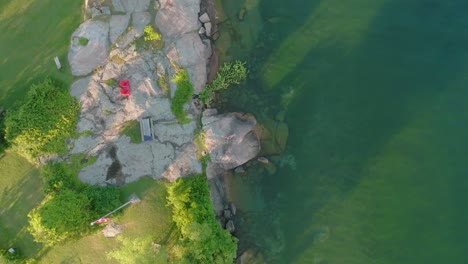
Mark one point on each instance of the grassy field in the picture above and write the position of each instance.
(33, 32)
(20, 191)
(139, 221)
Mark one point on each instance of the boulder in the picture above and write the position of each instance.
(191, 53)
(274, 136)
(118, 25)
(217, 195)
(130, 6)
(204, 18)
(230, 226)
(139, 21)
(208, 28)
(177, 17)
(230, 139)
(84, 59)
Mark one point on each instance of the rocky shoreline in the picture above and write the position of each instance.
(107, 48)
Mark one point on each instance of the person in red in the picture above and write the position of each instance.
(124, 87)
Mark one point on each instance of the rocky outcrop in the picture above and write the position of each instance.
(230, 139)
(118, 25)
(178, 17)
(130, 6)
(89, 47)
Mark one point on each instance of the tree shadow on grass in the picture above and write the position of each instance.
(15, 204)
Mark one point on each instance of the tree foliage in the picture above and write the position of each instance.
(70, 205)
(228, 74)
(181, 96)
(40, 125)
(203, 239)
(103, 199)
(59, 217)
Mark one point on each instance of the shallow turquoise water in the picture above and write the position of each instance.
(375, 95)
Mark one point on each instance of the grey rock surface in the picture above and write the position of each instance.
(177, 17)
(130, 6)
(118, 25)
(204, 18)
(139, 21)
(174, 132)
(84, 59)
(230, 139)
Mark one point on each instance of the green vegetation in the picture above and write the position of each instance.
(86, 133)
(132, 130)
(107, 112)
(111, 82)
(199, 141)
(59, 217)
(149, 218)
(203, 239)
(24, 68)
(151, 35)
(182, 95)
(228, 74)
(83, 41)
(69, 205)
(42, 123)
(21, 191)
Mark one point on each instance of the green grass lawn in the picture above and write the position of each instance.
(20, 191)
(32, 34)
(150, 217)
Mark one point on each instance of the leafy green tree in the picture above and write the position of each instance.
(57, 177)
(43, 121)
(203, 239)
(103, 199)
(65, 215)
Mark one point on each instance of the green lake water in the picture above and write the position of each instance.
(375, 94)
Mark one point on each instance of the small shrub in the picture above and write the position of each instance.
(107, 112)
(87, 133)
(132, 130)
(182, 96)
(228, 74)
(111, 82)
(83, 41)
(150, 34)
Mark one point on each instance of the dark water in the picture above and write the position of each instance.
(375, 94)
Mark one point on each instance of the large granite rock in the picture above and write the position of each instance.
(84, 59)
(118, 25)
(130, 6)
(139, 21)
(185, 163)
(177, 17)
(230, 139)
(191, 53)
